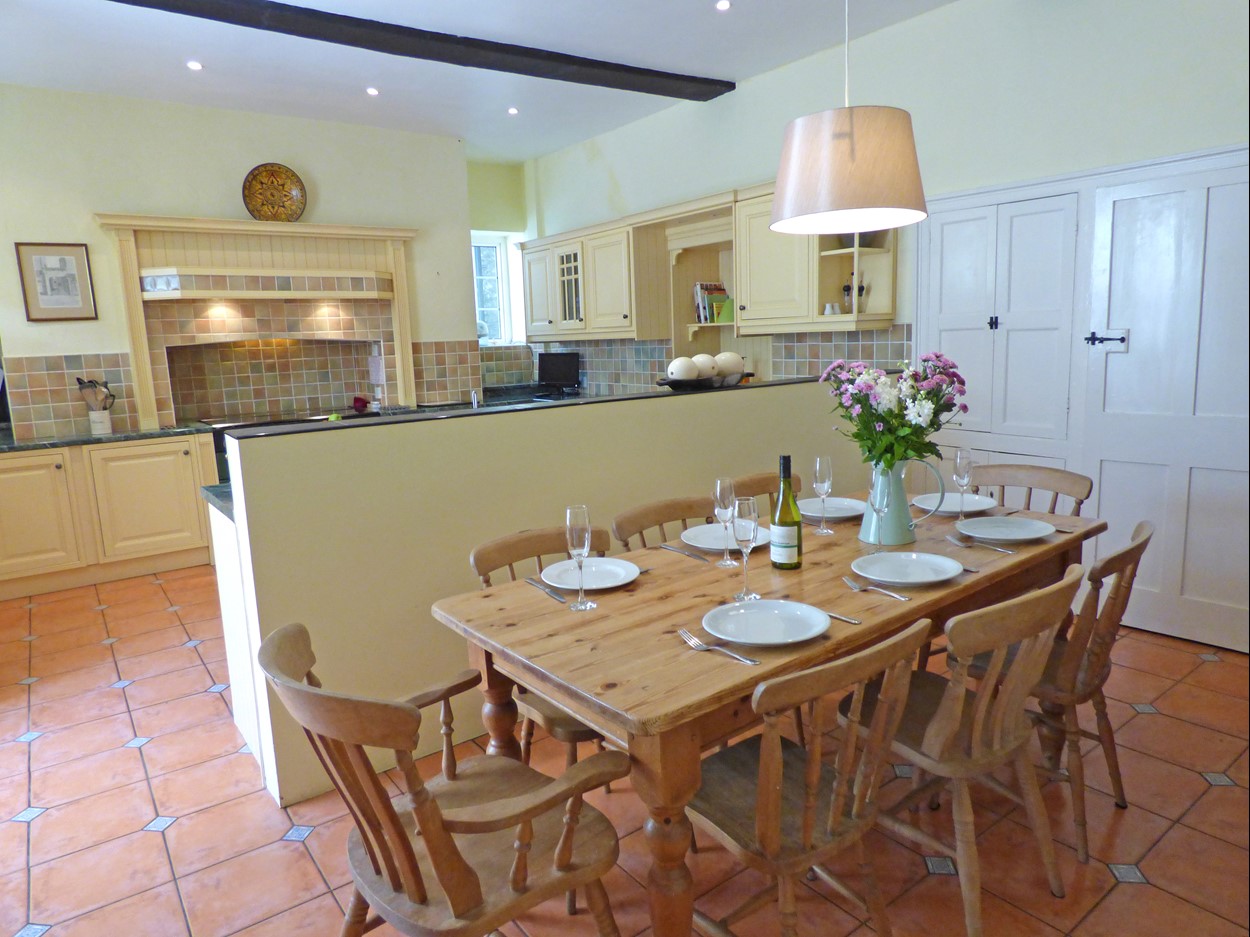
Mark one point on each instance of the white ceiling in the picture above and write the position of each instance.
(106, 47)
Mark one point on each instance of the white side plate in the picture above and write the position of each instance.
(600, 572)
(973, 504)
(765, 622)
(836, 509)
(1004, 529)
(907, 569)
(711, 537)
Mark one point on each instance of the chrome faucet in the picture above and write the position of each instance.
(473, 399)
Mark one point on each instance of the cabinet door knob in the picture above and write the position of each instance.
(549, 322)
(57, 466)
(742, 308)
(186, 451)
(624, 315)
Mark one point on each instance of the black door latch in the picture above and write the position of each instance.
(1093, 338)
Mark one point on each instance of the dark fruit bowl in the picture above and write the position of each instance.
(704, 383)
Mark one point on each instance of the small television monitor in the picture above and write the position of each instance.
(559, 370)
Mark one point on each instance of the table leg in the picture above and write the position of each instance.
(666, 776)
(499, 712)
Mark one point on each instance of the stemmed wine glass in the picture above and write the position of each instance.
(963, 475)
(723, 494)
(879, 500)
(822, 482)
(577, 534)
(746, 524)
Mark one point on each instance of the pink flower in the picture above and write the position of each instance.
(879, 427)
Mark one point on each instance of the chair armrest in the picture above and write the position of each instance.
(465, 680)
(595, 771)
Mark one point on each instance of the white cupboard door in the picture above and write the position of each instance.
(609, 304)
(774, 273)
(1166, 414)
(1033, 292)
(961, 295)
(539, 293)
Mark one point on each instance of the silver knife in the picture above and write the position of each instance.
(693, 556)
(849, 621)
(551, 592)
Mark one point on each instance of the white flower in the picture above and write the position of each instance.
(919, 412)
(885, 392)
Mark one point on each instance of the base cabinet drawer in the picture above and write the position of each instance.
(37, 530)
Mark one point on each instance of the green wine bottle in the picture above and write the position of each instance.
(786, 533)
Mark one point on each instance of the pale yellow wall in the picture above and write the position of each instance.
(1000, 91)
(65, 156)
(356, 531)
(497, 196)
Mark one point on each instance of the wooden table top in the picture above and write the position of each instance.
(624, 667)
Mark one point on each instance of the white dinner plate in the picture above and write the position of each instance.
(907, 569)
(765, 622)
(711, 537)
(836, 509)
(973, 504)
(600, 572)
(1004, 529)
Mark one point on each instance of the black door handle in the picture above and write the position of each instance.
(1093, 338)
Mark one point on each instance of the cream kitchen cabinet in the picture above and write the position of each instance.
(147, 497)
(37, 529)
(540, 315)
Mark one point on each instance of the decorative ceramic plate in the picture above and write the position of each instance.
(599, 572)
(765, 622)
(973, 504)
(836, 509)
(273, 192)
(907, 569)
(711, 537)
(1004, 529)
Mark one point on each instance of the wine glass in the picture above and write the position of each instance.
(746, 524)
(879, 499)
(723, 495)
(822, 482)
(963, 475)
(577, 534)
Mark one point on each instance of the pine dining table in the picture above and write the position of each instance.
(624, 669)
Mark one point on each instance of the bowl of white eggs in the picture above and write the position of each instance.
(704, 372)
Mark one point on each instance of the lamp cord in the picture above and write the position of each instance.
(846, 52)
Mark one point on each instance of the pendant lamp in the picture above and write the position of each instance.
(848, 169)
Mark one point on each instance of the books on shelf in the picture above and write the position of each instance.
(707, 296)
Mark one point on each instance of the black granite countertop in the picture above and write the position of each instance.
(9, 444)
(220, 497)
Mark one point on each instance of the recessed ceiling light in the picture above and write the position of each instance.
(512, 112)
(722, 5)
(372, 92)
(194, 65)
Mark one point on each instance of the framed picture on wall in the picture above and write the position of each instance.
(56, 282)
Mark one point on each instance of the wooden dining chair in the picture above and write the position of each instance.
(954, 734)
(664, 518)
(1079, 664)
(470, 850)
(765, 483)
(1039, 480)
(784, 809)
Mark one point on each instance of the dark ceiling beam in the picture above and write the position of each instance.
(440, 47)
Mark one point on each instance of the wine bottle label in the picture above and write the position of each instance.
(783, 544)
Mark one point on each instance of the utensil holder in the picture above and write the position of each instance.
(101, 422)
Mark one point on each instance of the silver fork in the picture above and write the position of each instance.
(698, 645)
(989, 546)
(858, 587)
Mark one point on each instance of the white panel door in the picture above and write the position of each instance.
(1166, 414)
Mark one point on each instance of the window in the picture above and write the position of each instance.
(490, 289)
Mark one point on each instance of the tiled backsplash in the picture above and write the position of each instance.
(807, 354)
(44, 401)
(276, 375)
(618, 366)
(446, 372)
(507, 364)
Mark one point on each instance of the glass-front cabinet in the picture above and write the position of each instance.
(569, 286)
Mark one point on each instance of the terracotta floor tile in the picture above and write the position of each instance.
(207, 610)
(934, 908)
(125, 590)
(328, 845)
(1011, 868)
(13, 722)
(178, 714)
(77, 741)
(1179, 742)
(158, 662)
(137, 607)
(73, 710)
(90, 821)
(201, 630)
(1115, 834)
(1203, 870)
(83, 777)
(14, 759)
(1154, 658)
(219, 670)
(15, 627)
(188, 790)
(1150, 783)
(14, 671)
(149, 642)
(15, 652)
(225, 831)
(68, 640)
(13, 846)
(1222, 812)
(80, 658)
(16, 602)
(154, 913)
(1239, 771)
(629, 907)
(622, 806)
(13, 612)
(76, 594)
(14, 697)
(192, 594)
(1146, 911)
(202, 571)
(14, 795)
(141, 624)
(212, 649)
(60, 616)
(1166, 640)
(250, 888)
(13, 896)
(100, 875)
(69, 684)
(191, 746)
(1222, 677)
(1135, 686)
(1217, 711)
(316, 810)
(321, 917)
(149, 691)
